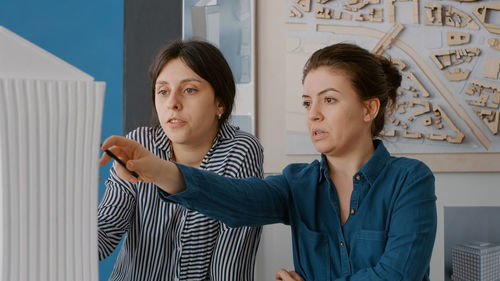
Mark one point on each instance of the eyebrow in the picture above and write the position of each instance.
(322, 92)
(161, 82)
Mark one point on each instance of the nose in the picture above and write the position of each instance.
(314, 113)
(173, 101)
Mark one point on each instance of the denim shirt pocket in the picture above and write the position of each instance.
(313, 253)
(367, 248)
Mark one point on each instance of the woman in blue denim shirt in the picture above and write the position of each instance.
(357, 214)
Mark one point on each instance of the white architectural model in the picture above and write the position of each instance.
(476, 262)
(50, 124)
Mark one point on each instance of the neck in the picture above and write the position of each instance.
(192, 154)
(351, 162)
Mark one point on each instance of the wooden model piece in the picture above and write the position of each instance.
(376, 15)
(456, 18)
(294, 12)
(415, 12)
(440, 137)
(305, 5)
(483, 99)
(338, 15)
(399, 63)
(477, 87)
(491, 68)
(457, 75)
(460, 136)
(425, 93)
(322, 12)
(346, 16)
(494, 43)
(489, 118)
(457, 38)
(391, 10)
(412, 135)
(427, 121)
(481, 10)
(425, 104)
(433, 14)
(359, 17)
(387, 40)
(391, 133)
(454, 57)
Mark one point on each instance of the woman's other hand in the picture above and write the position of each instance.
(284, 275)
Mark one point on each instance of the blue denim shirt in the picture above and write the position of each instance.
(389, 234)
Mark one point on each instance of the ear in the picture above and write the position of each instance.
(220, 108)
(371, 108)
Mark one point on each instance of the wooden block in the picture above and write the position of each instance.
(412, 135)
(457, 75)
(305, 5)
(427, 121)
(440, 137)
(494, 43)
(346, 16)
(492, 68)
(457, 38)
(391, 133)
(294, 12)
(415, 12)
(322, 13)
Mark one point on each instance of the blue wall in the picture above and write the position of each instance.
(87, 34)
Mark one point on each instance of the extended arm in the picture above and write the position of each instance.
(150, 167)
(236, 202)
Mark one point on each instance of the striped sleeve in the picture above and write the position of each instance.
(114, 214)
(236, 248)
(116, 210)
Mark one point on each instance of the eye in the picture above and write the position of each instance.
(306, 104)
(190, 90)
(329, 100)
(162, 92)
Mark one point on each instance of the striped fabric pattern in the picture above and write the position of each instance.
(165, 241)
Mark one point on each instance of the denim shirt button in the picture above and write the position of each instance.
(357, 177)
(341, 244)
(353, 211)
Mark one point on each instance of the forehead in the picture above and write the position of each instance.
(322, 78)
(177, 69)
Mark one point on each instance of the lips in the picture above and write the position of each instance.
(175, 122)
(317, 134)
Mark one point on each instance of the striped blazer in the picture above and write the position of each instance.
(164, 241)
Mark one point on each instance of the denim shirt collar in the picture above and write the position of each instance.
(370, 170)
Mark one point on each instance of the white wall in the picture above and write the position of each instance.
(452, 189)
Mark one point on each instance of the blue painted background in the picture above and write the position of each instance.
(87, 34)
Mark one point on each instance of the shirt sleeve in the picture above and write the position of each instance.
(235, 202)
(411, 234)
(114, 214)
(236, 248)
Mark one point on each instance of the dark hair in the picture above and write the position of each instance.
(372, 76)
(204, 59)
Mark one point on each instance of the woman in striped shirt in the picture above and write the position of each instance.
(193, 94)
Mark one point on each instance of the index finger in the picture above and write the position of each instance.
(115, 141)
